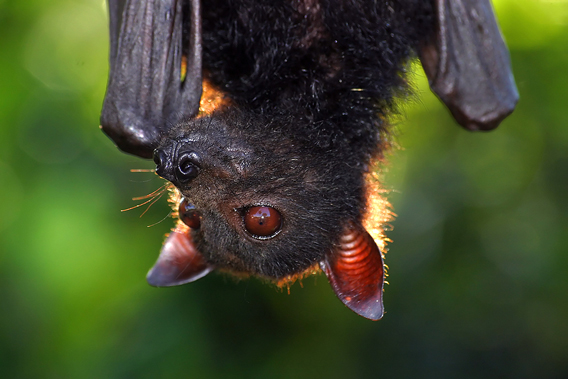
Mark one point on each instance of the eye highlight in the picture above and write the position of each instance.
(262, 221)
(189, 215)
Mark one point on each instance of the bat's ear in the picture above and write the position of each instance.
(179, 262)
(467, 64)
(355, 271)
(155, 77)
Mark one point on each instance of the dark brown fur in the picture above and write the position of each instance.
(312, 91)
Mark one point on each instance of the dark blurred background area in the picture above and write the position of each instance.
(478, 264)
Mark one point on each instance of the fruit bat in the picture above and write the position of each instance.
(267, 117)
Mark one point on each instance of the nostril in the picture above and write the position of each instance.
(157, 157)
(187, 168)
(160, 159)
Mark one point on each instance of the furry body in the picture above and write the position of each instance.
(333, 67)
(270, 169)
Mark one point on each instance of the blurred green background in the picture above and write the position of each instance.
(478, 267)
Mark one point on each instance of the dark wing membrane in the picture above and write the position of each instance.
(146, 94)
(115, 9)
(468, 66)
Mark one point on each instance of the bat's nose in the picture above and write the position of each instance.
(180, 169)
(163, 165)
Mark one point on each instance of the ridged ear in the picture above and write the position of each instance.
(467, 64)
(356, 273)
(179, 262)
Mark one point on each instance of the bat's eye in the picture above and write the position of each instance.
(262, 222)
(187, 167)
(189, 215)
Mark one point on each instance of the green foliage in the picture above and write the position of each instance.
(478, 267)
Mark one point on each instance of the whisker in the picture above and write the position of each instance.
(142, 170)
(137, 205)
(141, 181)
(151, 194)
(156, 223)
(152, 202)
(152, 198)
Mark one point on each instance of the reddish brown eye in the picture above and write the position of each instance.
(262, 221)
(189, 215)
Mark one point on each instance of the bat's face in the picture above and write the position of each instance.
(257, 201)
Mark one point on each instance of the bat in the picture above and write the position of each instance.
(268, 116)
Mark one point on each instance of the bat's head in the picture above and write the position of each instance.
(264, 204)
(257, 201)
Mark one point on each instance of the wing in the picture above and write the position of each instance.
(468, 66)
(149, 87)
